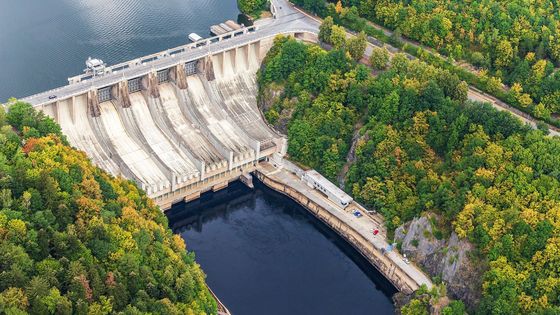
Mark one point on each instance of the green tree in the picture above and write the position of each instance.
(415, 307)
(504, 54)
(356, 46)
(325, 30)
(379, 58)
(251, 7)
(338, 37)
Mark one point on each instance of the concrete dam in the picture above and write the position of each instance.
(176, 132)
(184, 121)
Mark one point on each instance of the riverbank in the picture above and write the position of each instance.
(406, 277)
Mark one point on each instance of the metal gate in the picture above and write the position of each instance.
(163, 76)
(104, 94)
(190, 67)
(134, 85)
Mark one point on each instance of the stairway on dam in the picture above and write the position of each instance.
(179, 133)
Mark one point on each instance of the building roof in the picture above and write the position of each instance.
(332, 188)
(93, 62)
(194, 37)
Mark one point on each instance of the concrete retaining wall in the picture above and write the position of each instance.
(397, 277)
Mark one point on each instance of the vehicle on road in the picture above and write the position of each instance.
(357, 214)
(52, 97)
(406, 261)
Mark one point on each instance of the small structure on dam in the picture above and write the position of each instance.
(177, 130)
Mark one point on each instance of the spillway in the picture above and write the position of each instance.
(178, 131)
(188, 132)
(73, 120)
(135, 157)
(138, 118)
(238, 94)
(202, 109)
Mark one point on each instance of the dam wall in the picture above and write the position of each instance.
(177, 132)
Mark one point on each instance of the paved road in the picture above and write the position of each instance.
(473, 94)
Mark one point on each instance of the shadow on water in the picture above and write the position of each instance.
(212, 208)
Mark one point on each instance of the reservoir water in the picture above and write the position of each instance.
(265, 254)
(43, 42)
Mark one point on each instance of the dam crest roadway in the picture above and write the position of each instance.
(185, 121)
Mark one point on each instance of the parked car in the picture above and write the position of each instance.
(52, 97)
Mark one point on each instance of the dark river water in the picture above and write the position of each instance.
(265, 254)
(43, 42)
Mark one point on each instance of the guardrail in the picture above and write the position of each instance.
(164, 54)
(37, 101)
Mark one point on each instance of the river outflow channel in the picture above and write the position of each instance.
(265, 254)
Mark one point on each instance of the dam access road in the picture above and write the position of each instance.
(185, 120)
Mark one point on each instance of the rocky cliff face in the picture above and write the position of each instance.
(271, 96)
(446, 258)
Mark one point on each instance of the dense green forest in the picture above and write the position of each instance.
(75, 240)
(421, 147)
(514, 42)
(252, 7)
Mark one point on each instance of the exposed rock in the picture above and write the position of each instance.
(351, 156)
(269, 96)
(272, 95)
(448, 259)
(400, 299)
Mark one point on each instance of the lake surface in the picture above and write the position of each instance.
(43, 42)
(265, 254)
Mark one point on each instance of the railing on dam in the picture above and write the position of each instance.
(164, 54)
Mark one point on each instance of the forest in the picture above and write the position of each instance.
(252, 7)
(75, 240)
(513, 45)
(422, 147)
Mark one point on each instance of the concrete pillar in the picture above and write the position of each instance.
(152, 84)
(73, 109)
(93, 103)
(224, 56)
(246, 54)
(178, 75)
(233, 54)
(120, 93)
(209, 69)
(56, 110)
